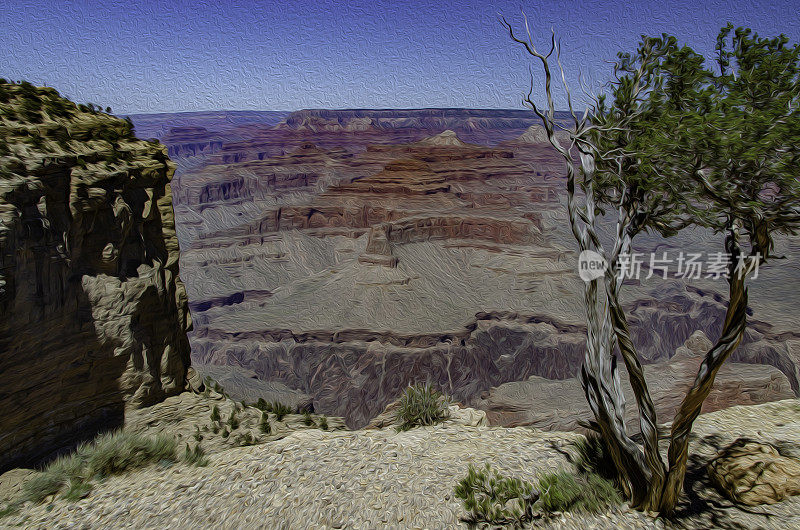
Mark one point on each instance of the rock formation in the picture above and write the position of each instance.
(560, 405)
(753, 473)
(93, 316)
(346, 254)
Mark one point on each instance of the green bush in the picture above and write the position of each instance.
(264, 425)
(419, 406)
(494, 499)
(323, 423)
(491, 498)
(109, 454)
(11, 509)
(307, 419)
(562, 491)
(280, 410)
(215, 417)
(593, 457)
(118, 452)
(77, 490)
(41, 486)
(245, 439)
(233, 420)
(195, 456)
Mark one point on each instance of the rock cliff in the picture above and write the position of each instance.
(93, 316)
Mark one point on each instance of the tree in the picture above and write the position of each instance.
(678, 145)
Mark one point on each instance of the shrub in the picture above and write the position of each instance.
(195, 456)
(593, 457)
(323, 423)
(261, 404)
(419, 406)
(245, 439)
(215, 417)
(77, 490)
(307, 419)
(115, 453)
(562, 491)
(11, 509)
(280, 410)
(233, 420)
(109, 454)
(494, 499)
(264, 425)
(41, 486)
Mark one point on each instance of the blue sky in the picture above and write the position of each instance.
(186, 56)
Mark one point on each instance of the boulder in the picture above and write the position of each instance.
(753, 473)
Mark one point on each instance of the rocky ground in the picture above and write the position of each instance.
(312, 478)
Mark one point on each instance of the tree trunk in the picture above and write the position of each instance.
(732, 333)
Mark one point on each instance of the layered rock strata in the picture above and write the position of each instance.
(93, 316)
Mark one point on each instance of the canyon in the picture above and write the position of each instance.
(346, 254)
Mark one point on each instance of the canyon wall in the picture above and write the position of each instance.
(93, 316)
(347, 254)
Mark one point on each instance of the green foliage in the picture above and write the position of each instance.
(323, 423)
(41, 486)
(233, 420)
(118, 452)
(307, 419)
(684, 143)
(245, 439)
(109, 454)
(77, 490)
(11, 509)
(280, 410)
(562, 491)
(215, 417)
(32, 110)
(421, 405)
(594, 458)
(195, 456)
(494, 499)
(264, 425)
(197, 435)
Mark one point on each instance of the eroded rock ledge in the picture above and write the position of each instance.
(93, 316)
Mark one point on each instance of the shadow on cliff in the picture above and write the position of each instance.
(68, 394)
